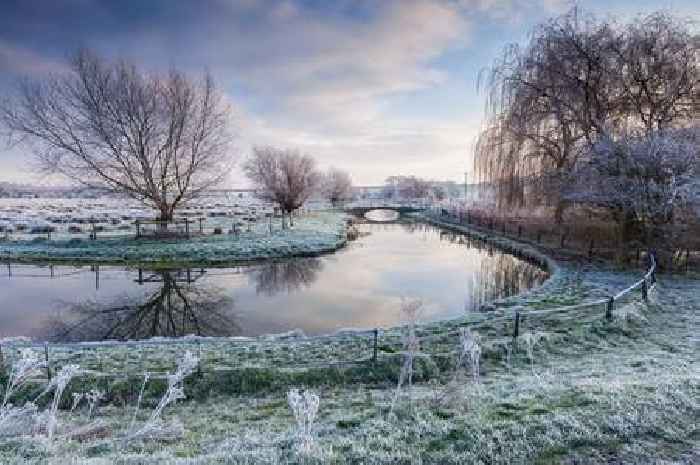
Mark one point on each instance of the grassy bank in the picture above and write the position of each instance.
(313, 234)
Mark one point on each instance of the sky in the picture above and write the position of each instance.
(374, 87)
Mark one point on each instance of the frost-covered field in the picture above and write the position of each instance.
(573, 390)
(67, 218)
(313, 233)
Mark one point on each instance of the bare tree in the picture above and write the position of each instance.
(161, 140)
(411, 187)
(282, 176)
(337, 186)
(543, 100)
(660, 72)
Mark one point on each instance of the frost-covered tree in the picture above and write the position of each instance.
(580, 79)
(283, 176)
(159, 139)
(337, 186)
(645, 180)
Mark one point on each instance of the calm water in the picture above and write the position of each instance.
(360, 286)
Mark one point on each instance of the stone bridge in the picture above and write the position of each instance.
(400, 209)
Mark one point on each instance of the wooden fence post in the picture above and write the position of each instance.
(516, 326)
(199, 358)
(374, 350)
(46, 357)
(609, 309)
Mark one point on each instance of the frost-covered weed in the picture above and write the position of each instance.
(58, 384)
(23, 369)
(146, 377)
(77, 397)
(154, 426)
(16, 420)
(410, 311)
(469, 352)
(304, 406)
(531, 339)
(92, 397)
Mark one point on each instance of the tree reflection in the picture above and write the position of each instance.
(286, 276)
(502, 275)
(180, 306)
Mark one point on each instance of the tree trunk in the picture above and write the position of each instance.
(166, 215)
(559, 211)
(291, 220)
(629, 234)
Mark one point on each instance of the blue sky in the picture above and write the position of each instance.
(374, 87)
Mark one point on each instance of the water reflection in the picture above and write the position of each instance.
(286, 276)
(359, 286)
(500, 274)
(179, 306)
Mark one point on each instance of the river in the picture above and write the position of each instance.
(359, 286)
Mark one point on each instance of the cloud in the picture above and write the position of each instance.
(360, 83)
(16, 60)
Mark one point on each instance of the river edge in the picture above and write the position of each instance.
(569, 283)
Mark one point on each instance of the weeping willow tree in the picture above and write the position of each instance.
(543, 100)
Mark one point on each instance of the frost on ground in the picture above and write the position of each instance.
(602, 392)
(313, 234)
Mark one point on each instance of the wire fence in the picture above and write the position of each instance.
(145, 229)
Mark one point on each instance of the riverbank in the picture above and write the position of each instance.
(629, 400)
(313, 234)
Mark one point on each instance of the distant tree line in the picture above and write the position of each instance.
(597, 114)
(413, 187)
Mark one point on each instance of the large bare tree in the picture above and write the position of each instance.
(544, 99)
(159, 139)
(282, 176)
